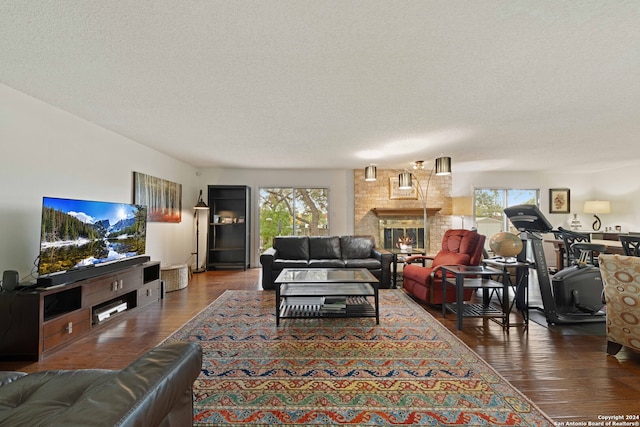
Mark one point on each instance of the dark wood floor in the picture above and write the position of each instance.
(570, 377)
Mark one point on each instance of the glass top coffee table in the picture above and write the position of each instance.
(326, 292)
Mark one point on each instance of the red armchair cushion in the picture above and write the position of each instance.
(417, 280)
(450, 258)
(464, 242)
(418, 273)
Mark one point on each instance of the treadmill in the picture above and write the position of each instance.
(530, 220)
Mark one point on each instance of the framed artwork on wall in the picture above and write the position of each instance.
(559, 200)
(395, 193)
(162, 198)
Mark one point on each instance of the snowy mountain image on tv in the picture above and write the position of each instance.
(77, 233)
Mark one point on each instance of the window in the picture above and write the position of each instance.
(490, 204)
(293, 212)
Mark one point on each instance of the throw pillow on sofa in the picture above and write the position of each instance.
(324, 247)
(355, 247)
(292, 247)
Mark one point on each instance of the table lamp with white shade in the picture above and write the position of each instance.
(462, 206)
(597, 207)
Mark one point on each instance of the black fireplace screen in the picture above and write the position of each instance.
(393, 237)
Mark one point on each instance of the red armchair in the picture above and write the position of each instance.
(459, 247)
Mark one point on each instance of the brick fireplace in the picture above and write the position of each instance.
(376, 214)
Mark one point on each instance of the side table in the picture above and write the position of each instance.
(474, 277)
(520, 286)
(395, 253)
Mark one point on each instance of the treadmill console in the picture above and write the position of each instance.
(528, 218)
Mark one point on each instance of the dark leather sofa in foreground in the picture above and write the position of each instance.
(155, 390)
(325, 252)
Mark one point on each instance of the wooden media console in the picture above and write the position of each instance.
(34, 322)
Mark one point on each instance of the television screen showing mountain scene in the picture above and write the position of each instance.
(77, 233)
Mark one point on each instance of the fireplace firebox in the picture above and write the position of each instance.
(393, 231)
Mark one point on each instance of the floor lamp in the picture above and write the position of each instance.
(201, 205)
(407, 179)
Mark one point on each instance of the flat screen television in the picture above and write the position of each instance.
(81, 233)
(528, 218)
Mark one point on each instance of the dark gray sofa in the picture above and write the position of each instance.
(154, 390)
(325, 252)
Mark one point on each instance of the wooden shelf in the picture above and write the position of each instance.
(387, 212)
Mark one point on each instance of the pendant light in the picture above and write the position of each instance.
(370, 173)
(443, 166)
(404, 181)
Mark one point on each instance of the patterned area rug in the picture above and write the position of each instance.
(409, 370)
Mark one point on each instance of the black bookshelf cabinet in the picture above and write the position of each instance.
(229, 227)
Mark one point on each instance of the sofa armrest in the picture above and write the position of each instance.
(266, 260)
(386, 258)
(154, 390)
(268, 256)
(7, 377)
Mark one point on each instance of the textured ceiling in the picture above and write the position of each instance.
(496, 85)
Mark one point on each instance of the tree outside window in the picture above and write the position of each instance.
(293, 212)
(490, 204)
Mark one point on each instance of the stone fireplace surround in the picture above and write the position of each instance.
(374, 209)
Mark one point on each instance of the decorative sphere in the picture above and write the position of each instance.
(505, 244)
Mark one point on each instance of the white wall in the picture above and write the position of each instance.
(48, 152)
(339, 183)
(619, 187)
